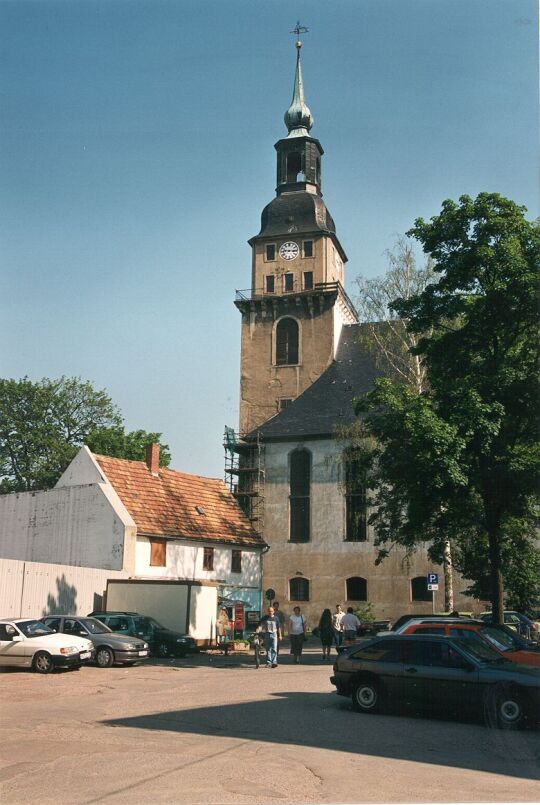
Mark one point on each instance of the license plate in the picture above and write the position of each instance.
(143, 653)
(84, 655)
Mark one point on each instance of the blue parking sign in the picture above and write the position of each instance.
(432, 578)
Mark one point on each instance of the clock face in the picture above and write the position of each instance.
(289, 250)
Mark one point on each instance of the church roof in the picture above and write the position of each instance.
(296, 212)
(176, 504)
(327, 403)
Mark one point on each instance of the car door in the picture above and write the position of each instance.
(437, 676)
(384, 659)
(11, 652)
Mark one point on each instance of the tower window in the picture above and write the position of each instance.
(308, 280)
(298, 589)
(419, 590)
(356, 589)
(270, 251)
(308, 248)
(208, 558)
(299, 498)
(287, 342)
(269, 283)
(288, 282)
(355, 498)
(294, 166)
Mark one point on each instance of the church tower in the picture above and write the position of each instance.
(294, 311)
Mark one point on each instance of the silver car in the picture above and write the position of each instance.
(110, 647)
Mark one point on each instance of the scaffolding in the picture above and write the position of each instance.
(244, 474)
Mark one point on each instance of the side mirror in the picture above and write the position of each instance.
(17, 638)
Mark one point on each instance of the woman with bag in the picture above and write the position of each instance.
(297, 633)
(326, 633)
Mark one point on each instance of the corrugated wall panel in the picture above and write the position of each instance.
(35, 589)
(11, 578)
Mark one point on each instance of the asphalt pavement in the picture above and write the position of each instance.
(214, 729)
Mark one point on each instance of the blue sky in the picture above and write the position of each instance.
(136, 155)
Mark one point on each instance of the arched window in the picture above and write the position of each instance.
(419, 590)
(356, 589)
(298, 589)
(287, 342)
(294, 166)
(355, 496)
(299, 497)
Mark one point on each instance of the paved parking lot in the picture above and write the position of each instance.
(216, 730)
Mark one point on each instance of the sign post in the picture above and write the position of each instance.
(432, 585)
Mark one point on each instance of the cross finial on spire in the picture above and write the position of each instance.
(300, 29)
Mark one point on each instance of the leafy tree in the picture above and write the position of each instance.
(462, 457)
(116, 442)
(44, 423)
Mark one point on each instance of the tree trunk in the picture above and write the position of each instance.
(448, 577)
(497, 592)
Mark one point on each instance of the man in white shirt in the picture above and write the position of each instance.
(337, 618)
(350, 624)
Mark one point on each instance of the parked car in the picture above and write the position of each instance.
(418, 616)
(109, 647)
(436, 673)
(516, 620)
(405, 625)
(30, 644)
(163, 642)
(499, 638)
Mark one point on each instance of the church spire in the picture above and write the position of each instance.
(298, 117)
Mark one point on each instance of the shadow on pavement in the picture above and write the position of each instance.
(322, 720)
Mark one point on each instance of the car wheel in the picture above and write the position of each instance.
(366, 696)
(104, 657)
(509, 708)
(163, 650)
(42, 663)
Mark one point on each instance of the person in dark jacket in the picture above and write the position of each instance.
(326, 633)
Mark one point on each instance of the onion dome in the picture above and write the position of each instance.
(298, 118)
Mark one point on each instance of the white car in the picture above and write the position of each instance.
(30, 644)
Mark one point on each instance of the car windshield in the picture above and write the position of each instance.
(94, 626)
(34, 628)
(501, 640)
(479, 651)
(147, 624)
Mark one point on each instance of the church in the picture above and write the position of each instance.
(301, 366)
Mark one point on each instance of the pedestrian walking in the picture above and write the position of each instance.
(223, 625)
(326, 633)
(281, 618)
(350, 624)
(337, 618)
(270, 627)
(297, 633)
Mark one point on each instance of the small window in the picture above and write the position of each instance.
(284, 403)
(208, 559)
(236, 562)
(299, 589)
(419, 590)
(200, 510)
(158, 553)
(308, 248)
(308, 280)
(356, 589)
(288, 282)
(270, 251)
(386, 650)
(270, 285)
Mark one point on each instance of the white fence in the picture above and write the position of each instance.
(35, 589)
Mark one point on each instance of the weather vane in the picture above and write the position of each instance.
(300, 29)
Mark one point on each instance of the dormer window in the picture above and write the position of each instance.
(200, 510)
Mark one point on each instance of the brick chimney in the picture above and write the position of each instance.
(152, 458)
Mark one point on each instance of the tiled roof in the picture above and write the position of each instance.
(328, 402)
(176, 504)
